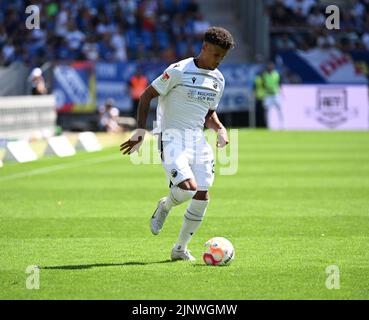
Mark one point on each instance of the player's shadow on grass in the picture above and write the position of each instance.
(100, 265)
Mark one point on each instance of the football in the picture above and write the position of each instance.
(219, 252)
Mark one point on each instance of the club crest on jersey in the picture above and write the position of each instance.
(193, 79)
(174, 173)
(215, 84)
(165, 77)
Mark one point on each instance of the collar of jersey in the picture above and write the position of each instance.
(201, 69)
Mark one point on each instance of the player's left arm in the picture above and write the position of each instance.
(212, 122)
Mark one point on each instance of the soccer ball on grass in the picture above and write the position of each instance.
(219, 252)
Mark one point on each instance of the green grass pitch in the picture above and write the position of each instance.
(298, 204)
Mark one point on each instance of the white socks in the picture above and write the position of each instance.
(193, 217)
(177, 196)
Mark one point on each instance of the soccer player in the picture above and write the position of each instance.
(189, 93)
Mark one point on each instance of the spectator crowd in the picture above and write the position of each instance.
(300, 24)
(114, 30)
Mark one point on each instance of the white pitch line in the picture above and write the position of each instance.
(59, 167)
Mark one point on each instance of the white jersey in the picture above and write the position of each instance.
(186, 95)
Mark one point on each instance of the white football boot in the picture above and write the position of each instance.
(158, 217)
(181, 255)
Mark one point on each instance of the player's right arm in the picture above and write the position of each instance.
(144, 106)
(160, 86)
(134, 143)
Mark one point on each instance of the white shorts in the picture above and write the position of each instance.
(184, 159)
(272, 101)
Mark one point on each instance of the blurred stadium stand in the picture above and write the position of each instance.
(224, 13)
(88, 49)
(95, 29)
(300, 25)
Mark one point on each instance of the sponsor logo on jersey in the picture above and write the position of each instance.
(203, 96)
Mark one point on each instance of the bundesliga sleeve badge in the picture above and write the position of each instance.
(165, 77)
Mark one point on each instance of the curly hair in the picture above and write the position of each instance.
(220, 37)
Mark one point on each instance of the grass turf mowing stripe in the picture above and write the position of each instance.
(58, 167)
(297, 204)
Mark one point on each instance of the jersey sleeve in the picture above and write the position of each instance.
(167, 81)
(219, 96)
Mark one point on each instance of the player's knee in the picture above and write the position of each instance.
(185, 190)
(188, 185)
(182, 195)
(202, 195)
